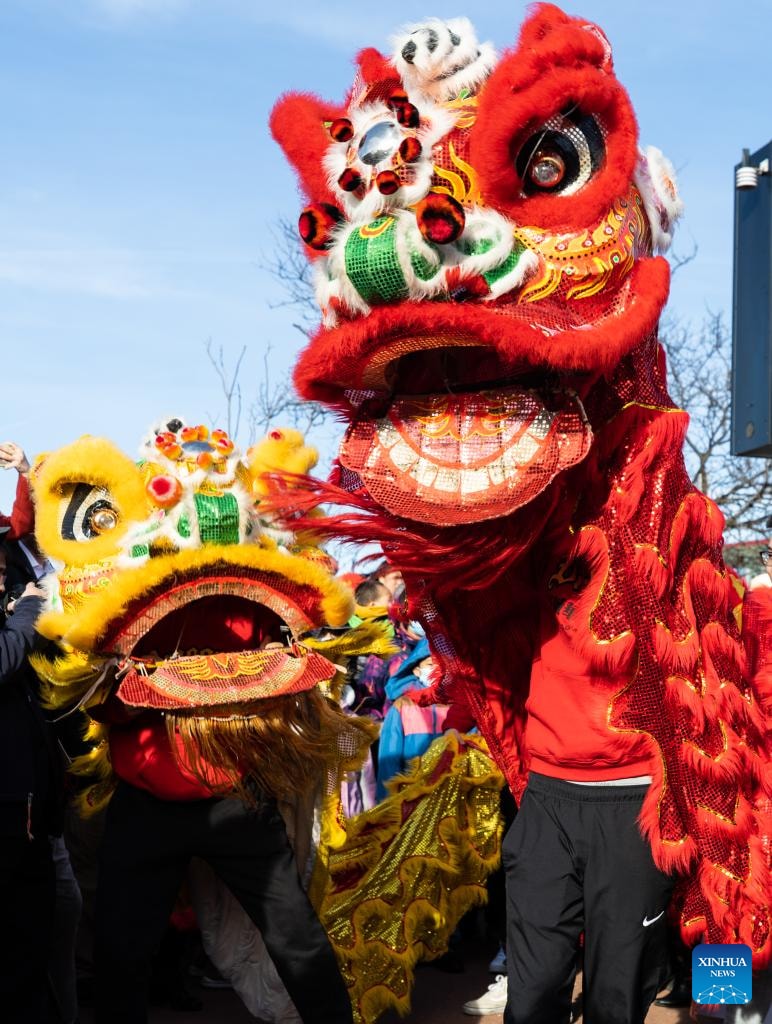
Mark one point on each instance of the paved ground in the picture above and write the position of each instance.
(437, 999)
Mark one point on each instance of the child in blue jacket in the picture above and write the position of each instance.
(408, 729)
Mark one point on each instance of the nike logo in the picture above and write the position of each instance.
(647, 922)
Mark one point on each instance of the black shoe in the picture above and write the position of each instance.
(679, 996)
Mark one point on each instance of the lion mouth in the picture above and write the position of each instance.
(215, 642)
(460, 438)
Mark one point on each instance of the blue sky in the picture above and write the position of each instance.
(139, 186)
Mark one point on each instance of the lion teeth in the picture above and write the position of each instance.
(447, 480)
(473, 480)
(424, 472)
(525, 449)
(497, 472)
(403, 456)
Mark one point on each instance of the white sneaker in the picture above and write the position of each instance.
(499, 963)
(494, 1000)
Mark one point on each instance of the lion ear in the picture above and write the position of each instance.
(37, 465)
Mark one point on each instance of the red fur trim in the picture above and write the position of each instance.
(297, 124)
(738, 912)
(524, 91)
(693, 931)
(648, 567)
(680, 698)
(717, 642)
(335, 359)
(549, 34)
(698, 519)
(727, 767)
(676, 657)
(732, 706)
(722, 829)
(374, 67)
(668, 856)
(712, 586)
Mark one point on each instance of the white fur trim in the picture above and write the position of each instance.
(456, 60)
(655, 179)
(435, 122)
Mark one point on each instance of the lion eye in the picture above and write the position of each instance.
(88, 512)
(547, 169)
(562, 156)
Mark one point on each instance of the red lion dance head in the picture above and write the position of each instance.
(484, 234)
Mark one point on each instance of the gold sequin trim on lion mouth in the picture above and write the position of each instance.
(211, 680)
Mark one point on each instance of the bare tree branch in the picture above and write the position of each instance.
(289, 265)
(274, 401)
(229, 381)
(700, 376)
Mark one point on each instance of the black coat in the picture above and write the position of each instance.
(30, 765)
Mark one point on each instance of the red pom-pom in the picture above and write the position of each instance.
(316, 223)
(410, 149)
(440, 218)
(341, 129)
(350, 181)
(276, 435)
(164, 490)
(397, 99)
(408, 115)
(222, 442)
(388, 182)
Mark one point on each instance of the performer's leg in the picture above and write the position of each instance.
(142, 864)
(626, 898)
(61, 962)
(544, 911)
(250, 852)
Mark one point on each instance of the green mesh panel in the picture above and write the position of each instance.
(509, 264)
(478, 246)
(422, 267)
(371, 263)
(218, 518)
(139, 550)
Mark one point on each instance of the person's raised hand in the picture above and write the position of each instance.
(12, 457)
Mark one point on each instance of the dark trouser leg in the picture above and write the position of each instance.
(250, 852)
(142, 864)
(61, 963)
(544, 915)
(626, 900)
(27, 894)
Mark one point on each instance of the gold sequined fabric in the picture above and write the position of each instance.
(407, 871)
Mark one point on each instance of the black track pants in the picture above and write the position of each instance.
(145, 853)
(575, 860)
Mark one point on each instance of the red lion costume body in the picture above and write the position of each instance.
(484, 236)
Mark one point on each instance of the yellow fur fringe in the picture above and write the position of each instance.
(285, 746)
